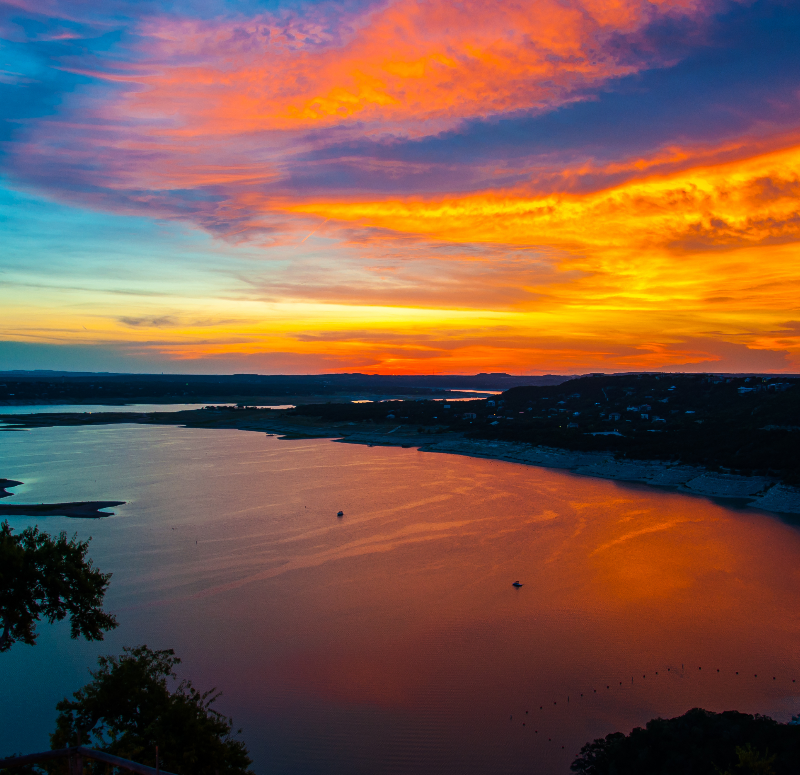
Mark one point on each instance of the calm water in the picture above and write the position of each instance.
(392, 641)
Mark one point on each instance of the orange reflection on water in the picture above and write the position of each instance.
(391, 640)
(401, 617)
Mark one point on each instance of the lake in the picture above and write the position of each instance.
(391, 640)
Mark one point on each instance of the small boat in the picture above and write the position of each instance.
(517, 584)
(340, 514)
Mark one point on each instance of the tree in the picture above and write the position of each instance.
(128, 709)
(699, 742)
(41, 576)
(751, 762)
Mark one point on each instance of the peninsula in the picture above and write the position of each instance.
(77, 510)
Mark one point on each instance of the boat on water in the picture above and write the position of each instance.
(517, 584)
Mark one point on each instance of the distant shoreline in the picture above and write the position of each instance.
(764, 493)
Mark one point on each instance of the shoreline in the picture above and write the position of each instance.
(763, 493)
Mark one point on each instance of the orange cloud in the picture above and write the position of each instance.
(722, 206)
(659, 257)
(407, 66)
(700, 238)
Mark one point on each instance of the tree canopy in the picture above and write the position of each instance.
(698, 743)
(128, 709)
(46, 577)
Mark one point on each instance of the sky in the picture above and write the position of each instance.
(429, 186)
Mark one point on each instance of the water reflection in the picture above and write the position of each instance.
(391, 640)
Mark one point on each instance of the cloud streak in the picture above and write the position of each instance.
(595, 185)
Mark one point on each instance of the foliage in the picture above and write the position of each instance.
(698, 743)
(42, 576)
(750, 761)
(24, 769)
(128, 709)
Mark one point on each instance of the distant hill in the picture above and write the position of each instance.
(18, 387)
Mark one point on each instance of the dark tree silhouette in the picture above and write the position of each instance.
(128, 709)
(698, 743)
(46, 577)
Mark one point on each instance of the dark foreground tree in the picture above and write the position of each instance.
(128, 709)
(42, 576)
(698, 743)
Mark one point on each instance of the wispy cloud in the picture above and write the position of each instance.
(590, 185)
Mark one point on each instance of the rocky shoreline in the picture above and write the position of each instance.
(765, 493)
(759, 492)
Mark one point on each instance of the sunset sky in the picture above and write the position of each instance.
(539, 186)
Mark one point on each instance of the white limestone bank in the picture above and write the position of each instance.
(760, 492)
